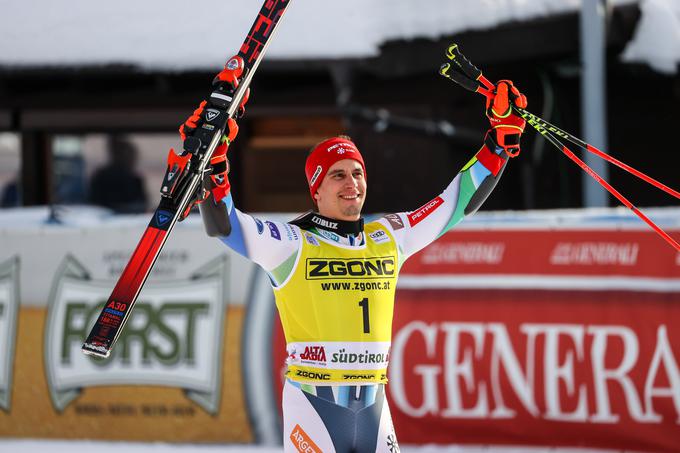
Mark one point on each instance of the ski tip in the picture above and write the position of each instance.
(97, 351)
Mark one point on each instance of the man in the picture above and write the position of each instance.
(117, 185)
(334, 277)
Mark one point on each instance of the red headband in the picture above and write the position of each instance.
(324, 155)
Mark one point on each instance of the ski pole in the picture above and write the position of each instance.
(592, 149)
(569, 153)
(472, 79)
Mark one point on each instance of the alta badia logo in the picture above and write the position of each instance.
(9, 308)
(173, 338)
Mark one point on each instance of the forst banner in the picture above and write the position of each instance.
(535, 337)
(175, 373)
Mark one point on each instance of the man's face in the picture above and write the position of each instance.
(342, 192)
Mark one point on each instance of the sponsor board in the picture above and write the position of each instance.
(540, 253)
(9, 307)
(558, 366)
(173, 338)
(595, 253)
(490, 253)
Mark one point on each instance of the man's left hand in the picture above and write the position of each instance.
(506, 126)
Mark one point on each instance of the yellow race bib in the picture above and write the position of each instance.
(336, 309)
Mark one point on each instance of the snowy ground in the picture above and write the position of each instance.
(31, 446)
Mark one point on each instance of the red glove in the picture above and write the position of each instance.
(230, 74)
(506, 126)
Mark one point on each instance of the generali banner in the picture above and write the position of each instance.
(537, 337)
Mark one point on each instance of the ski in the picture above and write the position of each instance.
(183, 181)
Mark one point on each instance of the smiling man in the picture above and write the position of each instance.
(334, 278)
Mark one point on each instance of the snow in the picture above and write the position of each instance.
(657, 38)
(31, 446)
(176, 35)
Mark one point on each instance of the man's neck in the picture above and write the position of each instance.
(342, 227)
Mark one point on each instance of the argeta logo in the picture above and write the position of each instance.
(302, 442)
(163, 217)
(211, 114)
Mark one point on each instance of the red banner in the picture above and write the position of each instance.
(530, 367)
(554, 338)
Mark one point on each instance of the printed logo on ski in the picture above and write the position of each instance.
(211, 114)
(163, 217)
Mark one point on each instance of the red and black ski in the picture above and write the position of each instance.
(183, 181)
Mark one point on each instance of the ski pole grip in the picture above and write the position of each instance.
(454, 54)
(460, 79)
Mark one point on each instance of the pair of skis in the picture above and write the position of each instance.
(460, 70)
(183, 180)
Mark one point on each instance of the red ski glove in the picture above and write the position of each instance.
(230, 74)
(217, 181)
(506, 126)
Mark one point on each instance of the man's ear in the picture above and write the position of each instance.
(316, 195)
